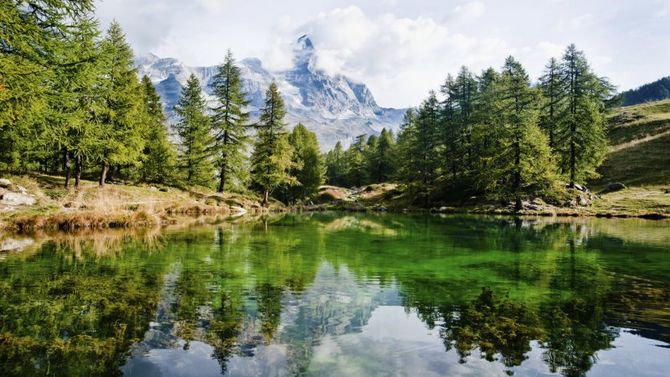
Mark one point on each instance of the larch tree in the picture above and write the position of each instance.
(309, 169)
(552, 89)
(159, 156)
(335, 165)
(522, 161)
(580, 135)
(32, 37)
(272, 158)
(194, 131)
(229, 121)
(122, 125)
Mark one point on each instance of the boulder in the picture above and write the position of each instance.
(5, 183)
(10, 244)
(613, 187)
(17, 199)
(582, 200)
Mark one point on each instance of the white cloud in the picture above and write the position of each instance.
(399, 58)
(469, 11)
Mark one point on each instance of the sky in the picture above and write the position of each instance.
(402, 49)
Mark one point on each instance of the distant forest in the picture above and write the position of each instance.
(657, 90)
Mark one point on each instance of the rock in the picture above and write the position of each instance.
(613, 187)
(10, 244)
(5, 183)
(582, 200)
(17, 199)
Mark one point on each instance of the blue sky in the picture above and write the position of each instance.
(403, 49)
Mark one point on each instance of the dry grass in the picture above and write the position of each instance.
(114, 206)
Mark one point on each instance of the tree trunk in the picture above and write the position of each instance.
(77, 171)
(103, 174)
(222, 178)
(66, 167)
(266, 198)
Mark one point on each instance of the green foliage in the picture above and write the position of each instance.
(272, 159)
(580, 135)
(159, 158)
(122, 120)
(309, 169)
(193, 128)
(229, 121)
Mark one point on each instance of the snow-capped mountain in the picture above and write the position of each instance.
(336, 108)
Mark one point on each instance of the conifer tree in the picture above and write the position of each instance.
(193, 129)
(229, 122)
(335, 165)
(32, 37)
(552, 89)
(74, 100)
(356, 163)
(272, 158)
(159, 157)
(122, 127)
(522, 161)
(309, 169)
(382, 157)
(580, 135)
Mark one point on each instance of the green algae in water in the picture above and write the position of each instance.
(336, 294)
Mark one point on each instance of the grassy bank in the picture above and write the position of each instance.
(115, 206)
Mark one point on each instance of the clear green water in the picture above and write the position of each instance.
(344, 295)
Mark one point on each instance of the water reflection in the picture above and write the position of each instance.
(343, 295)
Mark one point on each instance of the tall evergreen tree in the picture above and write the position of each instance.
(522, 162)
(552, 89)
(32, 39)
(122, 127)
(159, 157)
(309, 169)
(580, 135)
(272, 158)
(193, 128)
(356, 163)
(336, 165)
(229, 122)
(74, 100)
(382, 157)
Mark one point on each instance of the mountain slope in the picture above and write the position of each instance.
(655, 91)
(639, 146)
(336, 108)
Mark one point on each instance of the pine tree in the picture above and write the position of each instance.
(272, 158)
(32, 39)
(74, 100)
(229, 122)
(580, 135)
(419, 147)
(122, 127)
(335, 165)
(382, 158)
(193, 129)
(309, 169)
(522, 161)
(552, 89)
(356, 163)
(159, 156)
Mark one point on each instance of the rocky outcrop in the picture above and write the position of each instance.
(12, 196)
(613, 187)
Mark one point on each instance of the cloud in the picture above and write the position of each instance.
(469, 11)
(399, 58)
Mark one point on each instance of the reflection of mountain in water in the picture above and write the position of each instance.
(345, 295)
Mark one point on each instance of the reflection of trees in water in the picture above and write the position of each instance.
(571, 332)
(236, 284)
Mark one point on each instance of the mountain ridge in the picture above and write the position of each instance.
(335, 107)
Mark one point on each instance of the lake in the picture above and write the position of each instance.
(343, 295)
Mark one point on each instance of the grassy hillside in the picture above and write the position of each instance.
(639, 146)
(114, 206)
